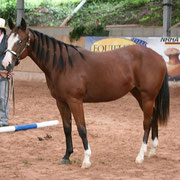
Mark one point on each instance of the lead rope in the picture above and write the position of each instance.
(11, 92)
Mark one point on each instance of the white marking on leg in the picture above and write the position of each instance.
(154, 144)
(86, 162)
(8, 57)
(140, 156)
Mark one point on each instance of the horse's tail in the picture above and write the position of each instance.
(162, 103)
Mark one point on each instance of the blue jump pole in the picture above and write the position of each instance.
(29, 126)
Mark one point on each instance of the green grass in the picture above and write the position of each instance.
(56, 2)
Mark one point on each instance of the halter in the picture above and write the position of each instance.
(18, 55)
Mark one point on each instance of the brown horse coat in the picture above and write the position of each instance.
(75, 75)
(109, 75)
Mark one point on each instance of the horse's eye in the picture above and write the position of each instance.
(20, 41)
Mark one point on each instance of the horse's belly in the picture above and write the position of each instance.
(101, 99)
(106, 93)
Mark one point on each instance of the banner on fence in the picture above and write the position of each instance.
(168, 47)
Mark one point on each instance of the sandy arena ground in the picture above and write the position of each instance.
(115, 131)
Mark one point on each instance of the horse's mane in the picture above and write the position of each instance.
(44, 55)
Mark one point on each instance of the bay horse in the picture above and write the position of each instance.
(75, 75)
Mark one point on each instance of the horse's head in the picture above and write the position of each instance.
(17, 44)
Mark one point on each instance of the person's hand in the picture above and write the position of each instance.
(10, 74)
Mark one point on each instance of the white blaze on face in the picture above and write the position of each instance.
(8, 57)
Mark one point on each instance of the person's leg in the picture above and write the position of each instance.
(4, 106)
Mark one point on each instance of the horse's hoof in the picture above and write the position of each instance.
(151, 154)
(86, 165)
(65, 161)
(139, 159)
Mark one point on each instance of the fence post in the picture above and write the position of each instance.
(20, 11)
(167, 10)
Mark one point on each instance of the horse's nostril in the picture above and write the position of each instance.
(9, 67)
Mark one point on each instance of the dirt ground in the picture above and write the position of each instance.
(115, 131)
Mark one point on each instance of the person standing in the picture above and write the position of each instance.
(4, 106)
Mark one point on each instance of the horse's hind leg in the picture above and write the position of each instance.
(136, 93)
(77, 110)
(144, 106)
(154, 139)
(147, 105)
(66, 118)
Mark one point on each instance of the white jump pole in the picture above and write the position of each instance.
(29, 126)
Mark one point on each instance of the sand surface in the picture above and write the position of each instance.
(115, 131)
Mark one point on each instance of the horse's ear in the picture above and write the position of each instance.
(23, 24)
(10, 24)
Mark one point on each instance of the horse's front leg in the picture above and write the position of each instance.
(67, 124)
(76, 107)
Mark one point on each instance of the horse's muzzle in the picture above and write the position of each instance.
(10, 66)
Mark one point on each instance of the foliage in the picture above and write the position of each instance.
(8, 9)
(110, 12)
(129, 4)
(176, 12)
(96, 29)
(76, 33)
(48, 15)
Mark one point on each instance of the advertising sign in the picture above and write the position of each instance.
(167, 47)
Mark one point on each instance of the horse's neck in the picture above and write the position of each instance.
(35, 57)
(39, 63)
(50, 54)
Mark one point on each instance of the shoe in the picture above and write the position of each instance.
(4, 125)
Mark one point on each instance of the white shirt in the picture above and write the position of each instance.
(1, 37)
